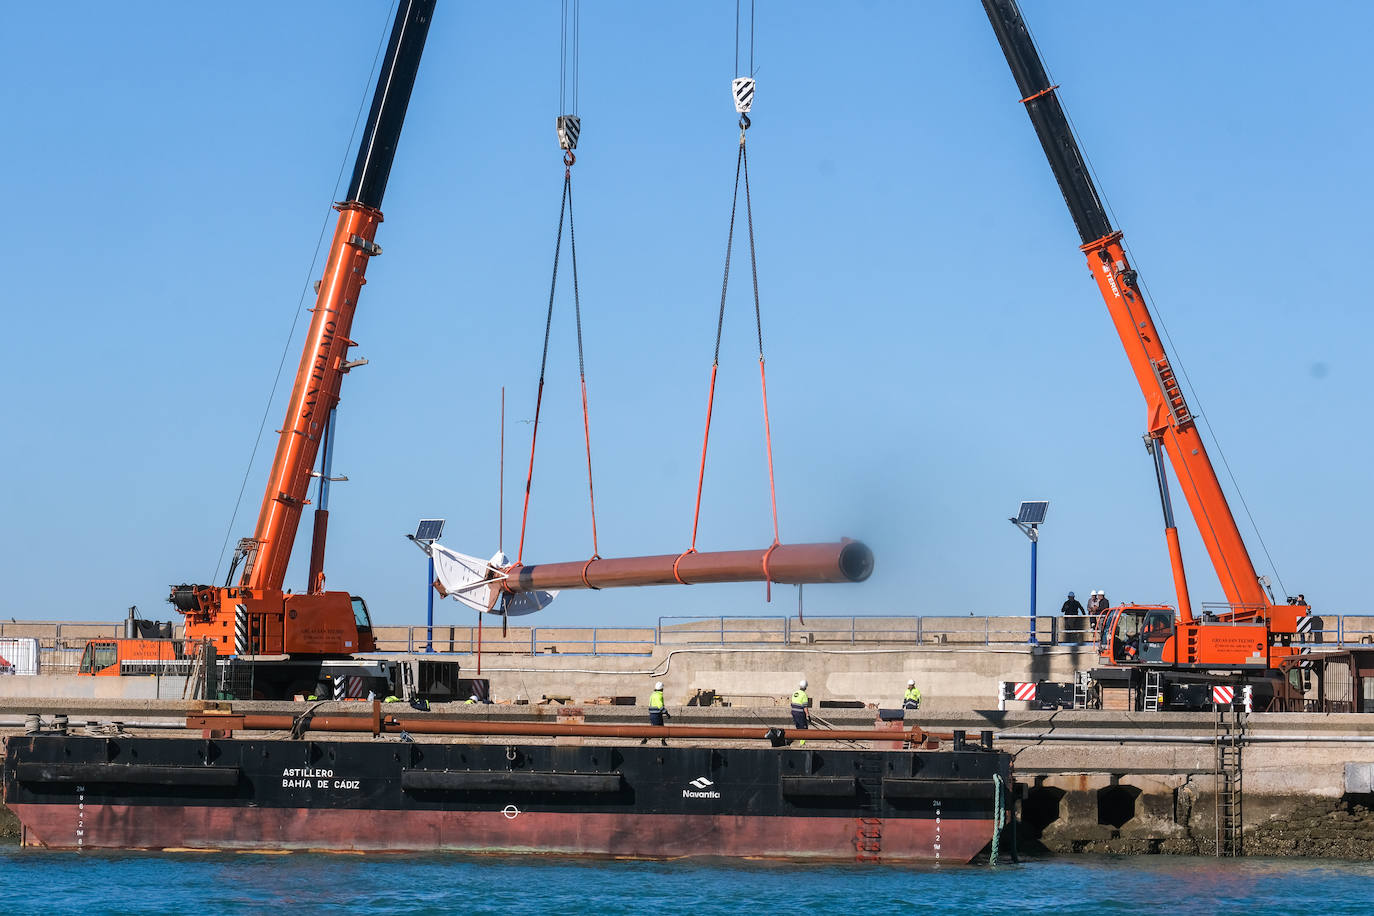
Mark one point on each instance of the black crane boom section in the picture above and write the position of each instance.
(378, 147)
(1047, 115)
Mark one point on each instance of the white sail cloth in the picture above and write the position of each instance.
(475, 583)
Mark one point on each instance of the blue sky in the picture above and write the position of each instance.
(936, 349)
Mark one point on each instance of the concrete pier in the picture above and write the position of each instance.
(951, 677)
(1093, 781)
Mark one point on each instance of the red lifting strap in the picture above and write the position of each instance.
(701, 475)
(529, 479)
(768, 440)
(677, 575)
(586, 567)
(741, 170)
(565, 207)
(591, 492)
(767, 576)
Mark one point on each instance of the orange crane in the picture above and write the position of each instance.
(255, 616)
(1252, 632)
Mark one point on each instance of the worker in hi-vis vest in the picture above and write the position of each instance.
(912, 698)
(800, 701)
(656, 711)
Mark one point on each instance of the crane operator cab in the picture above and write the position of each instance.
(1134, 634)
(361, 618)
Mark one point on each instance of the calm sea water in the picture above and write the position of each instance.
(35, 882)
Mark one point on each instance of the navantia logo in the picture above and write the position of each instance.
(703, 787)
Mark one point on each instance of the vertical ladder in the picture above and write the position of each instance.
(1080, 690)
(1229, 740)
(1190, 644)
(868, 826)
(1173, 393)
(1154, 690)
(868, 839)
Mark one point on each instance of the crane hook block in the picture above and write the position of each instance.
(569, 126)
(743, 89)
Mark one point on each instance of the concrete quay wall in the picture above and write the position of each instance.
(953, 678)
(1093, 781)
(949, 677)
(1147, 783)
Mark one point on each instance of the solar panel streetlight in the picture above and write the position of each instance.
(427, 532)
(1029, 519)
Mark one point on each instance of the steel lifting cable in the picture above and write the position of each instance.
(1177, 361)
(744, 92)
(581, 364)
(568, 130)
(300, 302)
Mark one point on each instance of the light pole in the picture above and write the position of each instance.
(429, 531)
(1029, 520)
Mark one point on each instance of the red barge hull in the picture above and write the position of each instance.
(847, 804)
(617, 835)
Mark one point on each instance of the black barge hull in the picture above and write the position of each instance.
(634, 801)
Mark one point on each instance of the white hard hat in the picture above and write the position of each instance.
(658, 685)
(911, 683)
(802, 683)
(473, 697)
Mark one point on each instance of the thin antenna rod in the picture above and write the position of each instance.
(501, 484)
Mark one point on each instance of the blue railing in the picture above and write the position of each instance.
(61, 643)
(851, 629)
(521, 640)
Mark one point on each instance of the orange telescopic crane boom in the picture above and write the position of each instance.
(253, 616)
(1170, 425)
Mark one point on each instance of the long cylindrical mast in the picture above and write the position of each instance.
(1169, 418)
(316, 390)
(789, 564)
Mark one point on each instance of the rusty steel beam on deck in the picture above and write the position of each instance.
(788, 564)
(428, 726)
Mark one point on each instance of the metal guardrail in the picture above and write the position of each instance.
(1050, 630)
(61, 644)
(518, 640)
(854, 630)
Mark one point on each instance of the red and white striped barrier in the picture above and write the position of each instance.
(1015, 690)
(1223, 695)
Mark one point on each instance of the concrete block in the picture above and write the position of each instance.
(1359, 778)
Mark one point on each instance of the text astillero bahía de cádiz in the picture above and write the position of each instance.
(306, 778)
